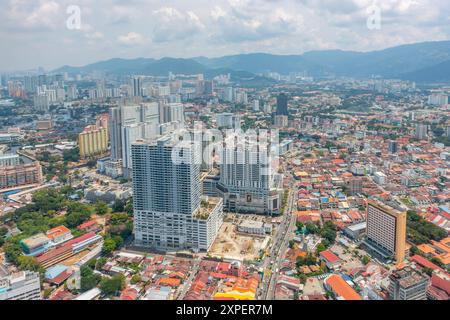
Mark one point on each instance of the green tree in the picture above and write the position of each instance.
(28, 263)
(365, 259)
(3, 231)
(112, 286)
(129, 207)
(312, 228)
(101, 208)
(100, 263)
(89, 279)
(136, 279)
(109, 245)
(421, 231)
(118, 206)
(320, 247)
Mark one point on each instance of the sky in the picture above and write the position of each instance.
(50, 33)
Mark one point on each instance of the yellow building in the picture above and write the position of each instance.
(386, 230)
(93, 141)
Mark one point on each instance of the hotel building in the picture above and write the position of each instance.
(386, 230)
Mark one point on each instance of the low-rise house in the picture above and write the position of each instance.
(331, 260)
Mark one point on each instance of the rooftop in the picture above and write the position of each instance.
(36, 240)
(330, 256)
(341, 288)
(53, 233)
(207, 205)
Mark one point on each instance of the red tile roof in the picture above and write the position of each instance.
(52, 233)
(330, 256)
(341, 288)
(87, 224)
(425, 263)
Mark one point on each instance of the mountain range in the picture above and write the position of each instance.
(420, 62)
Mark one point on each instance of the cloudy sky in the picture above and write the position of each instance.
(35, 33)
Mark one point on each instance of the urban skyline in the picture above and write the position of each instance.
(255, 177)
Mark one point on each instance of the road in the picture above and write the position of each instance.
(278, 249)
(187, 284)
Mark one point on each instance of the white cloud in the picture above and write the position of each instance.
(95, 35)
(244, 21)
(35, 15)
(173, 25)
(156, 28)
(131, 39)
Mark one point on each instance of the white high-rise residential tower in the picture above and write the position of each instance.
(169, 211)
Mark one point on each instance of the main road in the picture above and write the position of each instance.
(280, 244)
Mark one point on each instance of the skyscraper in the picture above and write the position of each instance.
(393, 146)
(247, 181)
(169, 211)
(120, 117)
(386, 230)
(282, 104)
(421, 131)
(136, 84)
(171, 112)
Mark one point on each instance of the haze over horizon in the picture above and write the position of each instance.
(34, 33)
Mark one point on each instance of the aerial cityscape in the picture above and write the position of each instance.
(216, 152)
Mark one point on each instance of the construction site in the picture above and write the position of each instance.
(232, 244)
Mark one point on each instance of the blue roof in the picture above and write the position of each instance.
(444, 208)
(324, 200)
(55, 271)
(9, 193)
(346, 277)
(166, 289)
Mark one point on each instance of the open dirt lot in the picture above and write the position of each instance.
(231, 245)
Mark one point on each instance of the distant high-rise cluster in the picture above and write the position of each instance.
(129, 123)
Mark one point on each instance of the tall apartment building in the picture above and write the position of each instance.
(171, 112)
(24, 285)
(169, 211)
(393, 146)
(281, 121)
(421, 131)
(247, 181)
(41, 102)
(438, 99)
(93, 141)
(7, 160)
(386, 230)
(133, 132)
(282, 105)
(123, 116)
(355, 186)
(20, 175)
(408, 284)
(136, 86)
